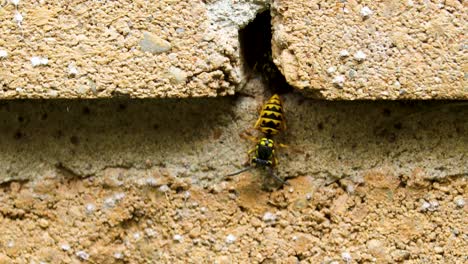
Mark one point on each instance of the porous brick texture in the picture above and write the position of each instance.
(327, 49)
(373, 49)
(89, 49)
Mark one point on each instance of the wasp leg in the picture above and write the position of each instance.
(270, 171)
(248, 137)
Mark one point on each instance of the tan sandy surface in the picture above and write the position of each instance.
(379, 219)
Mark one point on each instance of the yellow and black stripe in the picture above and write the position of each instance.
(271, 120)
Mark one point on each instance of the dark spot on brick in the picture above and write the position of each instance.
(86, 110)
(320, 126)
(398, 126)
(18, 135)
(122, 107)
(74, 140)
(58, 134)
(386, 112)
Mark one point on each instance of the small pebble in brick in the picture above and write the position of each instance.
(339, 80)
(344, 53)
(346, 256)
(90, 208)
(18, 18)
(230, 239)
(3, 54)
(269, 217)
(82, 255)
(15, 2)
(177, 238)
(360, 56)
(331, 70)
(366, 12)
(459, 201)
(65, 247)
(164, 188)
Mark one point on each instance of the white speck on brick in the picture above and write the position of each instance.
(15, 2)
(72, 70)
(203, 209)
(331, 70)
(344, 53)
(44, 61)
(35, 61)
(339, 80)
(119, 196)
(150, 232)
(90, 208)
(269, 217)
(109, 202)
(429, 206)
(65, 247)
(187, 195)
(151, 181)
(230, 239)
(308, 196)
(82, 255)
(177, 238)
(118, 255)
(425, 206)
(366, 12)
(3, 54)
(53, 93)
(164, 188)
(360, 55)
(346, 256)
(294, 238)
(350, 188)
(18, 18)
(460, 202)
(434, 205)
(136, 236)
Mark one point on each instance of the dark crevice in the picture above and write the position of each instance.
(255, 43)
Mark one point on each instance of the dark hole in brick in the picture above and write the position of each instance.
(386, 112)
(255, 42)
(320, 126)
(18, 135)
(398, 126)
(122, 107)
(86, 110)
(74, 140)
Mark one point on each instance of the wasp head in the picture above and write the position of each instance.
(264, 153)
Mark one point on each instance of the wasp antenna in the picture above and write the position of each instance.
(241, 171)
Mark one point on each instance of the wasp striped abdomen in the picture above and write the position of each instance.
(271, 120)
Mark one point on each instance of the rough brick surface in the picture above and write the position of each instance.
(333, 50)
(87, 49)
(373, 50)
